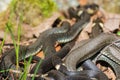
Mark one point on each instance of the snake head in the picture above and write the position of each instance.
(92, 8)
(98, 23)
(84, 16)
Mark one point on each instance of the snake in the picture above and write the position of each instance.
(96, 28)
(110, 55)
(60, 38)
(8, 59)
(76, 13)
(65, 37)
(57, 75)
(90, 71)
(49, 37)
(43, 68)
(44, 40)
(87, 50)
(56, 22)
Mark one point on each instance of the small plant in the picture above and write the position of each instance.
(34, 9)
(20, 12)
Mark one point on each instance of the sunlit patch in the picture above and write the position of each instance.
(90, 11)
(80, 12)
(101, 24)
(80, 69)
(63, 64)
(94, 79)
(41, 55)
(57, 67)
(44, 75)
(93, 24)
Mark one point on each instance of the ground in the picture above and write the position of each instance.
(111, 23)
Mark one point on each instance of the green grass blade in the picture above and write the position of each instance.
(37, 69)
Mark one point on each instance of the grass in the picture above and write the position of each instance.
(6, 30)
(38, 10)
(24, 74)
(9, 26)
(46, 11)
(37, 69)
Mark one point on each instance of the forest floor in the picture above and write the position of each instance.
(30, 33)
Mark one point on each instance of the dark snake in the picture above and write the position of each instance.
(87, 50)
(8, 59)
(70, 35)
(49, 37)
(90, 70)
(110, 55)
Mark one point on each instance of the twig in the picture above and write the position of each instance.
(29, 75)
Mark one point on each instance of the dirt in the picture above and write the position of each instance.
(108, 71)
(112, 22)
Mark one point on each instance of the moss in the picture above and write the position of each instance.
(33, 11)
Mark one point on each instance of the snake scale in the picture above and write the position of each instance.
(8, 59)
(45, 42)
(90, 70)
(27, 51)
(87, 50)
(66, 37)
(110, 55)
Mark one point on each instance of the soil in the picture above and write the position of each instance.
(112, 22)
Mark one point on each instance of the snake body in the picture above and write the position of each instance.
(46, 42)
(76, 13)
(43, 68)
(8, 59)
(110, 54)
(60, 37)
(112, 51)
(96, 28)
(90, 70)
(88, 50)
(56, 75)
(115, 67)
(63, 38)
